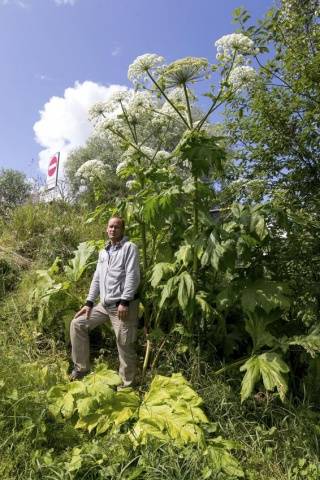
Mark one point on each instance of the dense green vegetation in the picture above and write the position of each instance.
(226, 220)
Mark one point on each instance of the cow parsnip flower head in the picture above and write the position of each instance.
(184, 71)
(132, 184)
(143, 64)
(234, 45)
(177, 95)
(140, 106)
(113, 104)
(147, 152)
(129, 154)
(92, 169)
(97, 110)
(122, 166)
(162, 156)
(242, 77)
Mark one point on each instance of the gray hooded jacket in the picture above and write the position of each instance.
(117, 275)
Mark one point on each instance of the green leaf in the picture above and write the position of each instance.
(159, 270)
(271, 367)
(185, 290)
(252, 375)
(76, 460)
(310, 342)
(80, 261)
(135, 473)
(265, 294)
(237, 210)
(103, 376)
(86, 406)
(170, 411)
(221, 460)
(258, 225)
(203, 304)
(202, 151)
(226, 298)
(67, 407)
(256, 327)
(76, 387)
(150, 208)
(89, 422)
(212, 242)
(168, 290)
(184, 255)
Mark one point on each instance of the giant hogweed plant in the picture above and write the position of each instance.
(166, 138)
(207, 270)
(235, 278)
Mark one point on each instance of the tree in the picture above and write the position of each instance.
(92, 193)
(14, 190)
(275, 128)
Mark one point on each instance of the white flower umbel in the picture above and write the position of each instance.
(144, 63)
(186, 70)
(147, 152)
(242, 77)
(132, 184)
(234, 45)
(177, 95)
(92, 169)
(140, 106)
(97, 110)
(162, 156)
(114, 102)
(121, 166)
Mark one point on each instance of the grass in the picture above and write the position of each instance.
(276, 441)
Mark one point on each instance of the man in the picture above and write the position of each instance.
(116, 279)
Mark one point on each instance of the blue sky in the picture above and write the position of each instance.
(59, 56)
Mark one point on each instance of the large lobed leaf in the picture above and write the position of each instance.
(202, 151)
(80, 261)
(265, 294)
(170, 411)
(271, 368)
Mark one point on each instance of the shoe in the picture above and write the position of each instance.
(121, 387)
(77, 375)
(124, 387)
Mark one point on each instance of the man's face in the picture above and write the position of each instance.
(115, 230)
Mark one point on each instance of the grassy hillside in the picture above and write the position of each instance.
(262, 438)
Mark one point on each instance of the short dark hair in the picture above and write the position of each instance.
(118, 218)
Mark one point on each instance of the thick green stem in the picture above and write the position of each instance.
(231, 365)
(195, 225)
(144, 245)
(188, 105)
(146, 359)
(168, 99)
(216, 103)
(128, 123)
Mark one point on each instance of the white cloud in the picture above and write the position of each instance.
(64, 123)
(18, 3)
(65, 2)
(115, 51)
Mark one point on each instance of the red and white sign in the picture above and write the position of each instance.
(52, 173)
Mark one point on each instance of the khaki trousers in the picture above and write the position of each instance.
(125, 332)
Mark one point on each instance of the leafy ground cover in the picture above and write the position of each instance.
(167, 429)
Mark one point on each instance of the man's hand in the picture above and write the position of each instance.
(84, 311)
(122, 312)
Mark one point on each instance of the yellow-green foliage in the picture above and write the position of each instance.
(170, 412)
